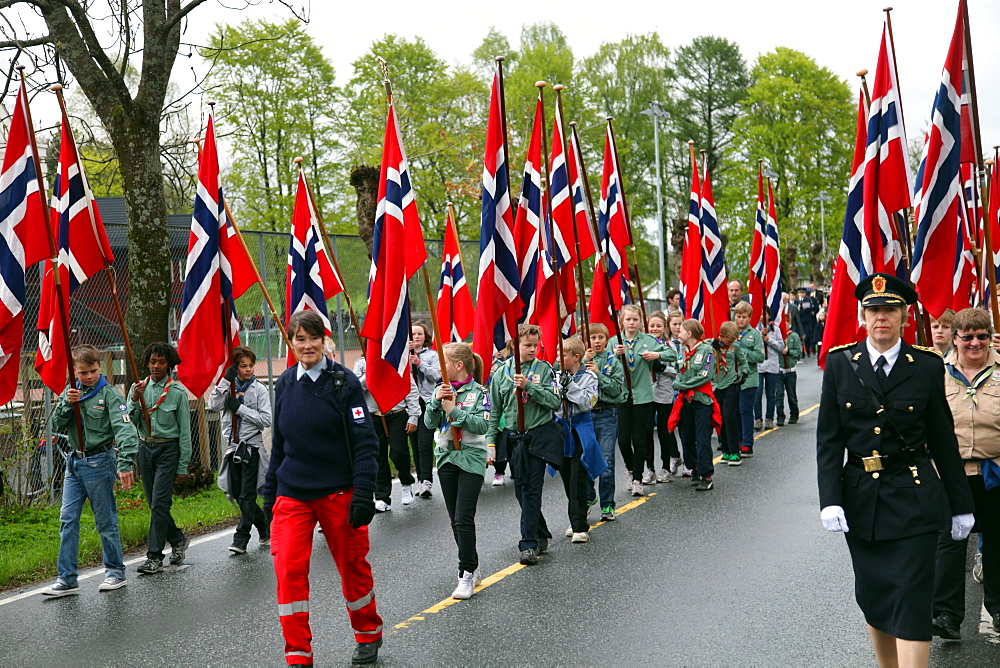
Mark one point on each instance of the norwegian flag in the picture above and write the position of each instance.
(991, 257)
(691, 255)
(937, 247)
(310, 279)
(548, 302)
(563, 246)
(497, 303)
(528, 220)
(581, 212)
(22, 239)
(397, 252)
(713, 262)
(756, 281)
(965, 281)
(454, 303)
(613, 238)
(83, 251)
(772, 260)
(216, 271)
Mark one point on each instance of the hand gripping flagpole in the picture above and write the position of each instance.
(54, 253)
(108, 271)
(601, 255)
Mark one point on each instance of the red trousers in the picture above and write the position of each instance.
(292, 530)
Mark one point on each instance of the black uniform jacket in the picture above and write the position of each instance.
(889, 504)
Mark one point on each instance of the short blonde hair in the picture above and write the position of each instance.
(574, 346)
(600, 329)
(743, 309)
(630, 308)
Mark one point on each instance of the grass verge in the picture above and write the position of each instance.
(29, 538)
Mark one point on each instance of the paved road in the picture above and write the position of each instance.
(740, 575)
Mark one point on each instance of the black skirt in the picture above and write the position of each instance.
(894, 583)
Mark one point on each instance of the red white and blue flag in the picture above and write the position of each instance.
(563, 245)
(528, 221)
(454, 303)
(713, 263)
(497, 303)
(22, 239)
(613, 240)
(398, 251)
(310, 279)
(756, 280)
(772, 260)
(991, 256)
(217, 271)
(83, 251)
(581, 212)
(938, 201)
(691, 254)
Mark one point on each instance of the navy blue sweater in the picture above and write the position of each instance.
(309, 451)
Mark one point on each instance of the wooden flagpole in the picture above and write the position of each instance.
(54, 255)
(602, 258)
(707, 307)
(628, 222)
(988, 243)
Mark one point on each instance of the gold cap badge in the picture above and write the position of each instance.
(878, 284)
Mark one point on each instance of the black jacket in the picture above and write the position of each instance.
(889, 504)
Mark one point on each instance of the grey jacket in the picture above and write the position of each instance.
(772, 351)
(254, 418)
(427, 374)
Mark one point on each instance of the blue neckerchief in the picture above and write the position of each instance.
(241, 387)
(101, 382)
(510, 363)
(991, 473)
(974, 385)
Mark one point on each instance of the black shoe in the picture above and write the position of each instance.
(996, 622)
(529, 557)
(695, 479)
(264, 533)
(781, 422)
(178, 552)
(793, 420)
(543, 546)
(947, 627)
(704, 485)
(366, 652)
(238, 547)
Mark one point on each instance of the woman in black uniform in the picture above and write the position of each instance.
(883, 406)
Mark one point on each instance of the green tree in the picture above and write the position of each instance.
(275, 91)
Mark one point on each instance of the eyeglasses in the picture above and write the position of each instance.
(979, 337)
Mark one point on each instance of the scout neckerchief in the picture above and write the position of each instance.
(720, 359)
(166, 388)
(608, 363)
(970, 387)
(446, 423)
(688, 354)
(101, 382)
(630, 349)
(531, 370)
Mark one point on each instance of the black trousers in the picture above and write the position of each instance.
(528, 490)
(391, 445)
(729, 404)
(788, 389)
(461, 494)
(668, 442)
(950, 568)
(577, 485)
(243, 487)
(635, 435)
(696, 435)
(158, 467)
(422, 446)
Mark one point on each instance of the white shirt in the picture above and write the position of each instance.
(890, 355)
(313, 372)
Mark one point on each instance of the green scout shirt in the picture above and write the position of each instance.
(471, 414)
(696, 367)
(730, 364)
(794, 354)
(753, 347)
(639, 369)
(541, 392)
(105, 419)
(171, 419)
(611, 388)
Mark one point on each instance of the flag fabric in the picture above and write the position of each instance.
(613, 239)
(22, 239)
(83, 251)
(310, 279)
(713, 263)
(563, 245)
(755, 282)
(772, 260)
(528, 220)
(398, 251)
(691, 254)
(991, 257)
(207, 311)
(548, 303)
(454, 302)
(937, 247)
(971, 218)
(497, 303)
(581, 212)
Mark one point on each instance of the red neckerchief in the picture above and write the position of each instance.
(166, 388)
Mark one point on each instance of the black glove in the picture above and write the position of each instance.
(268, 509)
(233, 404)
(716, 344)
(362, 509)
(230, 374)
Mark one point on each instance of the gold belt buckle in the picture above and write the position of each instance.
(873, 463)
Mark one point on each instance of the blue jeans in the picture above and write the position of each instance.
(606, 429)
(89, 478)
(747, 398)
(770, 387)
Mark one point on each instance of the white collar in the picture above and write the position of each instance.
(890, 355)
(313, 373)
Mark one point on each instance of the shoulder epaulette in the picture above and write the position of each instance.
(933, 351)
(483, 388)
(843, 347)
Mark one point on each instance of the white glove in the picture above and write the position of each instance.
(833, 519)
(961, 525)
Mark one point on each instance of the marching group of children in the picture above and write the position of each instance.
(533, 418)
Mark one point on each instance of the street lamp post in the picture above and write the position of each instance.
(822, 198)
(656, 111)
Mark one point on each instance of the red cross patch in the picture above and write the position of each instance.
(358, 413)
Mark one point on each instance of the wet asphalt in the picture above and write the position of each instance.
(741, 575)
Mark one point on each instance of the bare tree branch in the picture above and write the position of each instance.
(176, 17)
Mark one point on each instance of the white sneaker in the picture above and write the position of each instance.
(637, 488)
(664, 476)
(675, 464)
(382, 507)
(569, 531)
(684, 471)
(110, 584)
(498, 480)
(407, 493)
(477, 578)
(465, 588)
(648, 478)
(425, 489)
(581, 537)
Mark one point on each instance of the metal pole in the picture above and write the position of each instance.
(659, 210)
(267, 322)
(822, 228)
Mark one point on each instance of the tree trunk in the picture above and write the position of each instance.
(364, 179)
(791, 268)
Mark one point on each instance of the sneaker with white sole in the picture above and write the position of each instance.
(498, 480)
(684, 471)
(110, 584)
(382, 507)
(569, 531)
(664, 476)
(648, 477)
(61, 589)
(607, 514)
(581, 537)
(151, 566)
(637, 488)
(477, 578)
(466, 587)
(406, 492)
(675, 464)
(425, 489)
(178, 552)
(977, 567)
(768, 423)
